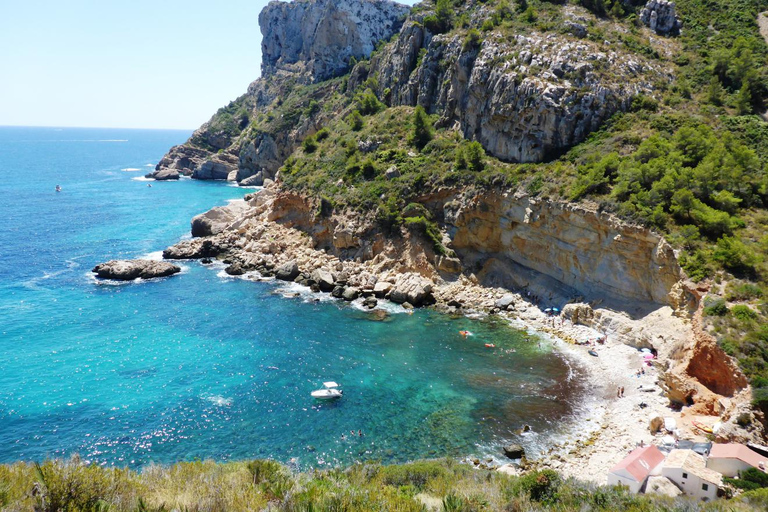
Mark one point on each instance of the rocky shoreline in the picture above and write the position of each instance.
(264, 236)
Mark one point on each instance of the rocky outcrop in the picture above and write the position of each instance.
(525, 100)
(314, 40)
(576, 250)
(128, 270)
(661, 17)
(217, 219)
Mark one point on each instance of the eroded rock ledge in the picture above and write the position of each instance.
(128, 270)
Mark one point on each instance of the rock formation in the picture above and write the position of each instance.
(128, 270)
(661, 17)
(524, 100)
(316, 40)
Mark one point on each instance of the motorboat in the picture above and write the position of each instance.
(329, 391)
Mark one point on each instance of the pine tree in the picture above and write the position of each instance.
(422, 130)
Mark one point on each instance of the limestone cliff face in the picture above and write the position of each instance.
(304, 42)
(315, 40)
(525, 99)
(513, 239)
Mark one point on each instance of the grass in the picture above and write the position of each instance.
(257, 485)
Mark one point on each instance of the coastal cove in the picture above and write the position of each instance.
(202, 365)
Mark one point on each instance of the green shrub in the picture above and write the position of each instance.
(471, 40)
(355, 121)
(421, 132)
(442, 20)
(416, 474)
(643, 102)
(322, 134)
(743, 313)
(539, 485)
(475, 155)
(715, 307)
(309, 145)
(743, 291)
(367, 103)
(428, 229)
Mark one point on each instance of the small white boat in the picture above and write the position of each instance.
(329, 391)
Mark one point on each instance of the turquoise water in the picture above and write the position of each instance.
(205, 366)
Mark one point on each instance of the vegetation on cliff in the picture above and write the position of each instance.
(56, 486)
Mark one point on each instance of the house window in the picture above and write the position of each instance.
(685, 475)
(704, 487)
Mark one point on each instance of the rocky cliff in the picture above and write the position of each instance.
(514, 241)
(317, 40)
(526, 98)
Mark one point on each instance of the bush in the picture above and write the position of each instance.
(743, 291)
(743, 313)
(715, 307)
(421, 132)
(355, 121)
(475, 155)
(322, 134)
(309, 145)
(367, 103)
(735, 256)
(442, 20)
(539, 485)
(428, 229)
(643, 102)
(471, 40)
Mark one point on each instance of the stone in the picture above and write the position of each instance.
(128, 270)
(235, 269)
(577, 29)
(338, 292)
(164, 175)
(655, 425)
(324, 279)
(661, 17)
(370, 302)
(191, 249)
(514, 451)
(256, 180)
(287, 271)
(411, 288)
(217, 219)
(351, 293)
(381, 289)
(505, 303)
(448, 264)
(214, 170)
(392, 173)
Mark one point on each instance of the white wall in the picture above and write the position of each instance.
(634, 486)
(727, 467)
(692, 485)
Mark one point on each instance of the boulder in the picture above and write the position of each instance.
(324, 279)
(656, 424)
(213, 170)
(351, 294)
(506, 302)
(191, 249)
(514, 451)
(235, 269)
(411, 288)
(662, 485)
(217, 219)
(392, 173)
(447, 264)
(287, 271)
(661, 17)
(256, 180)
(164, 175)
(128, 270)
(381, 289)
(370, 302)
(337, 292)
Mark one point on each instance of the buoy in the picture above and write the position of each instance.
(490, 345)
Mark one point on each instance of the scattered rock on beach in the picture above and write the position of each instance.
(287, 271)
(506, 302)
(324, 279)
(351, 294)
(370, 302)
(514, 451)
(128, 270)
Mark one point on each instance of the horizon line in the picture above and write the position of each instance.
(93, 127)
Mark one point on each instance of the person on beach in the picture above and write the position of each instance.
(622, 391)
(618, 391)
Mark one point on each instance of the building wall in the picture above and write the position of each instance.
(634, 486)
(727, 467)
(692, 485)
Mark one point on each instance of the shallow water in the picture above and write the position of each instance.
(202, 365)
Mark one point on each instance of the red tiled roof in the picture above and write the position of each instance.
(640, 462)
(738, 451)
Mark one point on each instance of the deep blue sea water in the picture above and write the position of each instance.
(201, 365)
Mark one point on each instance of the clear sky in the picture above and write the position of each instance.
(125, 63)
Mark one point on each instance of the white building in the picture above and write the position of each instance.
(636, 467)
(728, 459)
(686, 469)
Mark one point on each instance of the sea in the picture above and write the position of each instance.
(205, 366)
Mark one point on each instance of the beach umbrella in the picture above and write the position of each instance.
(548, 310)
(648, 356)
(555, 310)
